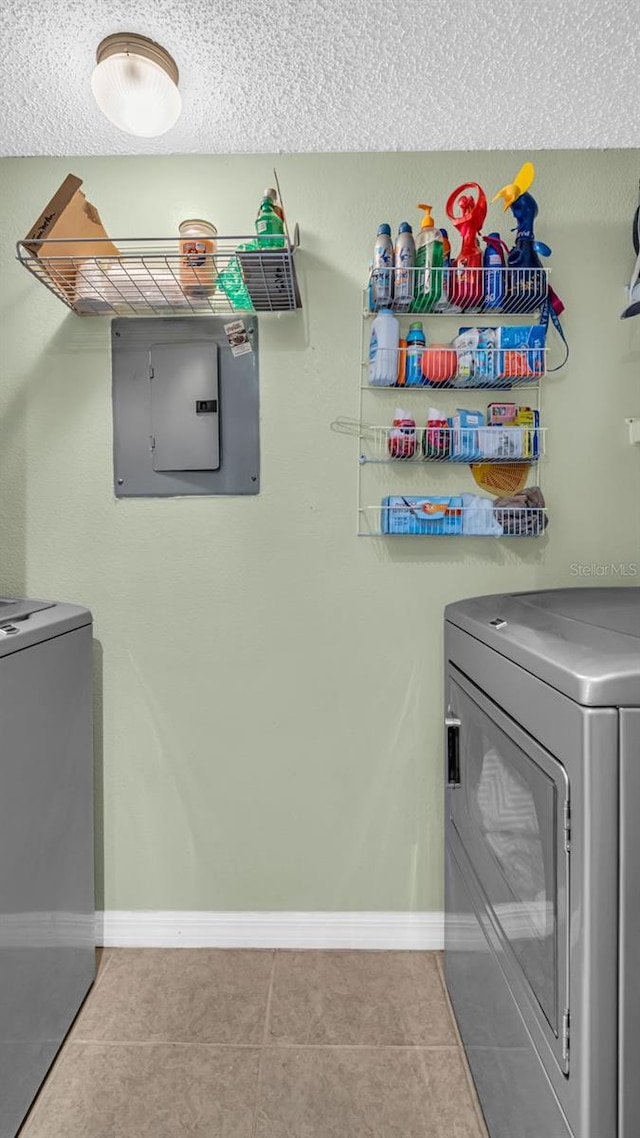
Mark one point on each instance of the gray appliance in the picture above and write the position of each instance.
(542, 921)
(47, 919)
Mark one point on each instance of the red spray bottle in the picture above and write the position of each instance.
(466, 279)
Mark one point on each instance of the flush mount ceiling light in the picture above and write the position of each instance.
(135, 84)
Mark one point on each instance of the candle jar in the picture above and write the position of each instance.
(197, 262)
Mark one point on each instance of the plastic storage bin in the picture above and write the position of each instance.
(421, 515)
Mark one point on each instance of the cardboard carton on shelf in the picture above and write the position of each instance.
(69, 228)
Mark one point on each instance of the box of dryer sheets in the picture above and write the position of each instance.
(521, 351)
(69, 227)
(412, 515)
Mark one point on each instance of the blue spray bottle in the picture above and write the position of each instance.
(494, 261)
(526, 285)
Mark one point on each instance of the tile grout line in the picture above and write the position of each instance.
(362, 1047)
(163, 1043)
(66, 1043)
(265, 1033)
(266, 1046)
(465, 1062)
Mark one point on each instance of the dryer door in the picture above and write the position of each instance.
(508, 800)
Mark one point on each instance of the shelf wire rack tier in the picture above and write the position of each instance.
(408, 518)
(453, 290)
(153, 278)
(460, 368)
(494, 444)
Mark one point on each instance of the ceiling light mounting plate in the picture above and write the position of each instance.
(130, 43)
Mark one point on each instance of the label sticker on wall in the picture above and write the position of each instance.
(238, 338)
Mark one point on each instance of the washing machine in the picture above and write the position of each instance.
(47, 917)
(542, 821)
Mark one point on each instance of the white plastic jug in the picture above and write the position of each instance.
(383, 349)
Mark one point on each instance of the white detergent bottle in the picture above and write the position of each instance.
(383, 349)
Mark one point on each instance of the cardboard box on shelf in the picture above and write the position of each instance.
(68, 228)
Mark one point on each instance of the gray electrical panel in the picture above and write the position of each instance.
(185, 407)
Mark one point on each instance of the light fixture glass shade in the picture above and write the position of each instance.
(136, 93)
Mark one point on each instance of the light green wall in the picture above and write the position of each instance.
(271, 726)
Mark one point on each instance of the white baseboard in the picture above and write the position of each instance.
(121, 928)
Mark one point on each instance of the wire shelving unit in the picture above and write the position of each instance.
(460, 378)
(152, 277)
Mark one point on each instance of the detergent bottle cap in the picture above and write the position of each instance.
(404, 227)
(443, 232)
(494, 236)
(385, 312)
(385, 228)
(427, 221)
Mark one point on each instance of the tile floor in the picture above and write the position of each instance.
(209, 1043)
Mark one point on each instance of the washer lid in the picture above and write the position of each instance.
(25, 622)
(584, 642)
(18, 608)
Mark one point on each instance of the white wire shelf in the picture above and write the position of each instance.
(457, 368)
(452, 290)
(417, 517)
(152, 278)
(452, 444)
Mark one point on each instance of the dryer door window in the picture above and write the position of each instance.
(510, 810)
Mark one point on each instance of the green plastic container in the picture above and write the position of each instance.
(429, 255)
(269, 226)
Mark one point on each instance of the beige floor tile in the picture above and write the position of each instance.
(158, 1091)
(472, 1090)
(366, 998)
(179, 996)
(364, 1093)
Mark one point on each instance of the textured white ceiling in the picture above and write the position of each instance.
(333, 75)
